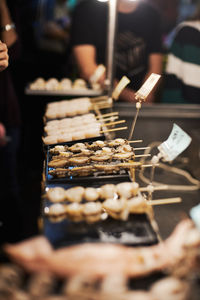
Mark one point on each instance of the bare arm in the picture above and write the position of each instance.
(85, 56)
(8, 37)
(155, 66)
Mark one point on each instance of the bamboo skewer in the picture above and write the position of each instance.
(108, 119)
(149, 166)
(164, 201)
(142, 155)
(114, 123)
(102, 105)
(141, 148)
(108, 114)
(134, 121)
(99, 98)
(113, 129)
(135, 141)
(156, 188)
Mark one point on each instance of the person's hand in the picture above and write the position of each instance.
(33, 254)
(127, 95)
(2, 135)
(3, 56)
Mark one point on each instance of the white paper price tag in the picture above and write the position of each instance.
(120, 86)
(195, 215)
(176, 143)
(147, 87)
(97, 74)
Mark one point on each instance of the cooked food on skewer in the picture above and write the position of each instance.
(117, 142)
(103, 159)
(107, 191)
(59, 172)
(123, 156)
(116, 208)
(106, 168)
(79, 83)
(127, 189)
(56, 194)
(100, 158)
(96, 145)
(106, 150)
(91, 194)
(49, 140)
(64, 154)
(81, 171)
(92, 211)
(68, 108)
(78, 147)
(86, 152)
(58, 163)
(106, 147)
(116, 201)
(58, 148)
(138, 205)
(38, 84)
(79, 160)
(75, 211)
(57, 212)
(64, 137)
(123, 149)
(65, 84)
(75, 194)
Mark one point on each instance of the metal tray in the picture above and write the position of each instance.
(70, 92)
(136, 231)
(49, 179)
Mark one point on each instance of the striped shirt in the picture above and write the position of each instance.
(182, 74)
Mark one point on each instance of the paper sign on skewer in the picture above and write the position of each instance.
(141, 95)
(97, 74)
(176, 143)
(195, 215)
(147, 87)
(120, 86)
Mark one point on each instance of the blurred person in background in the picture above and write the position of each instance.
(52, 32)
(3, 66)
(182, 73)
(138, 51)
(10, 122)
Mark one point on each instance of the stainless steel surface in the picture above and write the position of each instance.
(70, 92)
(155, 123)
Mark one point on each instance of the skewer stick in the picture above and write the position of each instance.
(131, 164)
(108, 114)
(149, 166)
(164, 201)
(138, 106)
(135, 141)
(103, 103)
(142, 155)
(102, 106)
(114, 123)
(113, 129)
(156, 188)
(112, 118)
(99, 98)
(141, 148)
